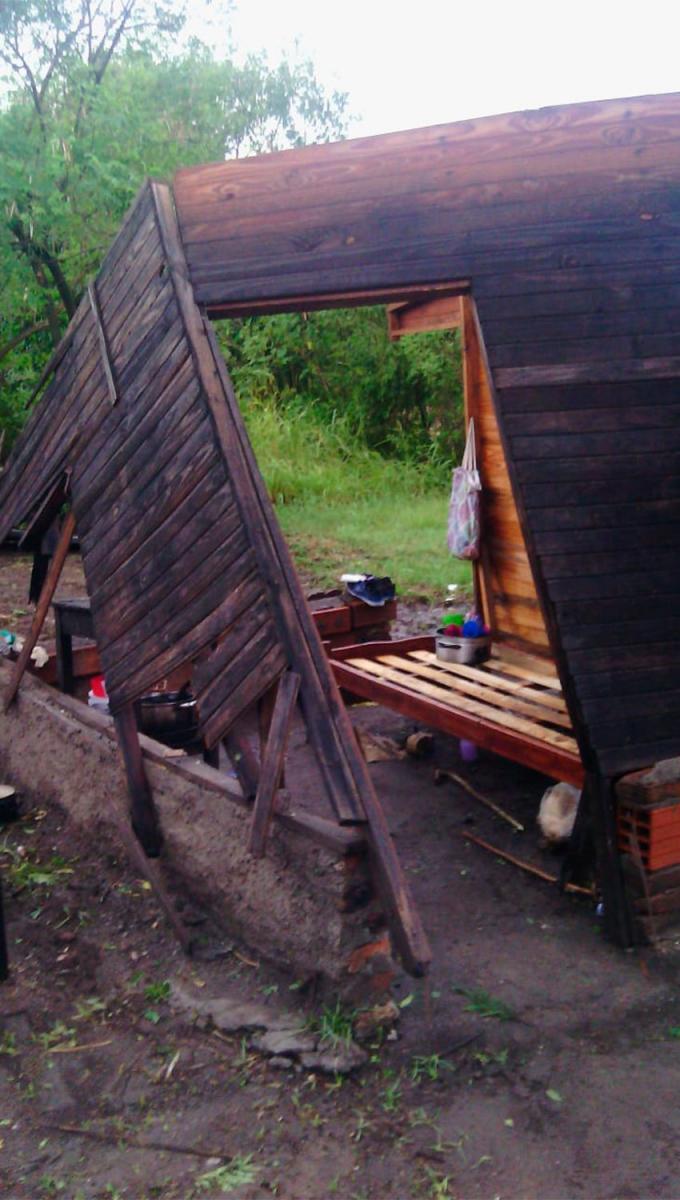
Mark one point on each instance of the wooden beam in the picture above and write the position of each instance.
(48, 590)
(444, 312)
(272, 761)
(142, 807)
(103, 343)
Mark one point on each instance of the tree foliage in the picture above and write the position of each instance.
(100, 94)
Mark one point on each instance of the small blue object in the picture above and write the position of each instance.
(473, 627)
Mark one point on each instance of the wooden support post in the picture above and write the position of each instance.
(598, 794)
(272, 761)
(48, 590)
(142, 808)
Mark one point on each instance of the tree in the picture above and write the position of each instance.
(98, 96)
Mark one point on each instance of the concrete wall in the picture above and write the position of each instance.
(304, 906)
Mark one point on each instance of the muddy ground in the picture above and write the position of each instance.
(537, 1062)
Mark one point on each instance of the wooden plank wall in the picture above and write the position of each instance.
(167, 564)
(506, 580)
(565, 223)
(183, 558)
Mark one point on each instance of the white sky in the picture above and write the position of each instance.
(420, 62)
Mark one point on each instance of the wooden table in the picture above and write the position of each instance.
(72, 618)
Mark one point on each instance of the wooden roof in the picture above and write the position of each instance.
(563, 224)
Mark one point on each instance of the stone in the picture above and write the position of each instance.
(280, 1063)
(284, 1041)
(340, 1059)
(381, 1016)
(231, 1015)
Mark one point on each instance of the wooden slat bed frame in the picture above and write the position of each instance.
(511, 705)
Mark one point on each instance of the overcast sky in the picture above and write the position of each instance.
(427, 61)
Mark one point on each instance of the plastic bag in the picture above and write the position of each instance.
(464, 505)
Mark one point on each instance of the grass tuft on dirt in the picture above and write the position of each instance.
(344, 507)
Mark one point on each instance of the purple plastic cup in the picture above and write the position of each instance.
(468, 750)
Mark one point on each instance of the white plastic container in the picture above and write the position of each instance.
(466, 650)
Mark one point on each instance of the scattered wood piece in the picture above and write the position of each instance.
(376, 748)
(526, 866)
(419, 745)
(248, 961)
(272, 761)
(78, 1049)
(440, 776)
(115, 1138)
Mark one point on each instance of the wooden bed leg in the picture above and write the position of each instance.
(272, 761)
(599, 795)
(142, 808)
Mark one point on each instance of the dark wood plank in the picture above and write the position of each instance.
(272, 761)
(305, 652)
(103, 343)
(142, 808)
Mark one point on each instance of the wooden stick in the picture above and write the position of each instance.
(272, 763)
(128, 1139)
(48, 590)
(142, 807)
(150, 872)
(439, 776)
(525, 866)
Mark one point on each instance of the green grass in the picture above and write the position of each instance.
(346, 508)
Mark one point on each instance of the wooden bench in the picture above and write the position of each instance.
(511, 705)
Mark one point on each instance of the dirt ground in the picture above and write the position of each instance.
(536, 1062)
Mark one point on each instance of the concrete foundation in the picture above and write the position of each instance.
(307, 905)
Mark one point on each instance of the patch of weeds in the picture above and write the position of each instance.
(269, 989)
(498, 1058)
(49, 1185)
(674, 1031)
(26, 871)
(362, 1127)
(237, 1173)
(89, 1007)
(158, 992)
(554, 1095)
(429, 1066)
(391, 1096)
(8, 1044)
(485, 1005)
(438, 1184)
(335, 1024)
(152, 1015)
(59, 1034)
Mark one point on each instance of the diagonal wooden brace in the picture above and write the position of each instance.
(272, 762)
(48, 590)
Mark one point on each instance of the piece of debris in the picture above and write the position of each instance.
(280, 1035)
(557, 812)
(420, 745)
(381, 1016)
(340, 1059)
(526, 866)
(376, 748)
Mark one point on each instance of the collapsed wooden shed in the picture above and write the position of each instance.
(558, 227)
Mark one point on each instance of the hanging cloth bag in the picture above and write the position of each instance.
(464, 505)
